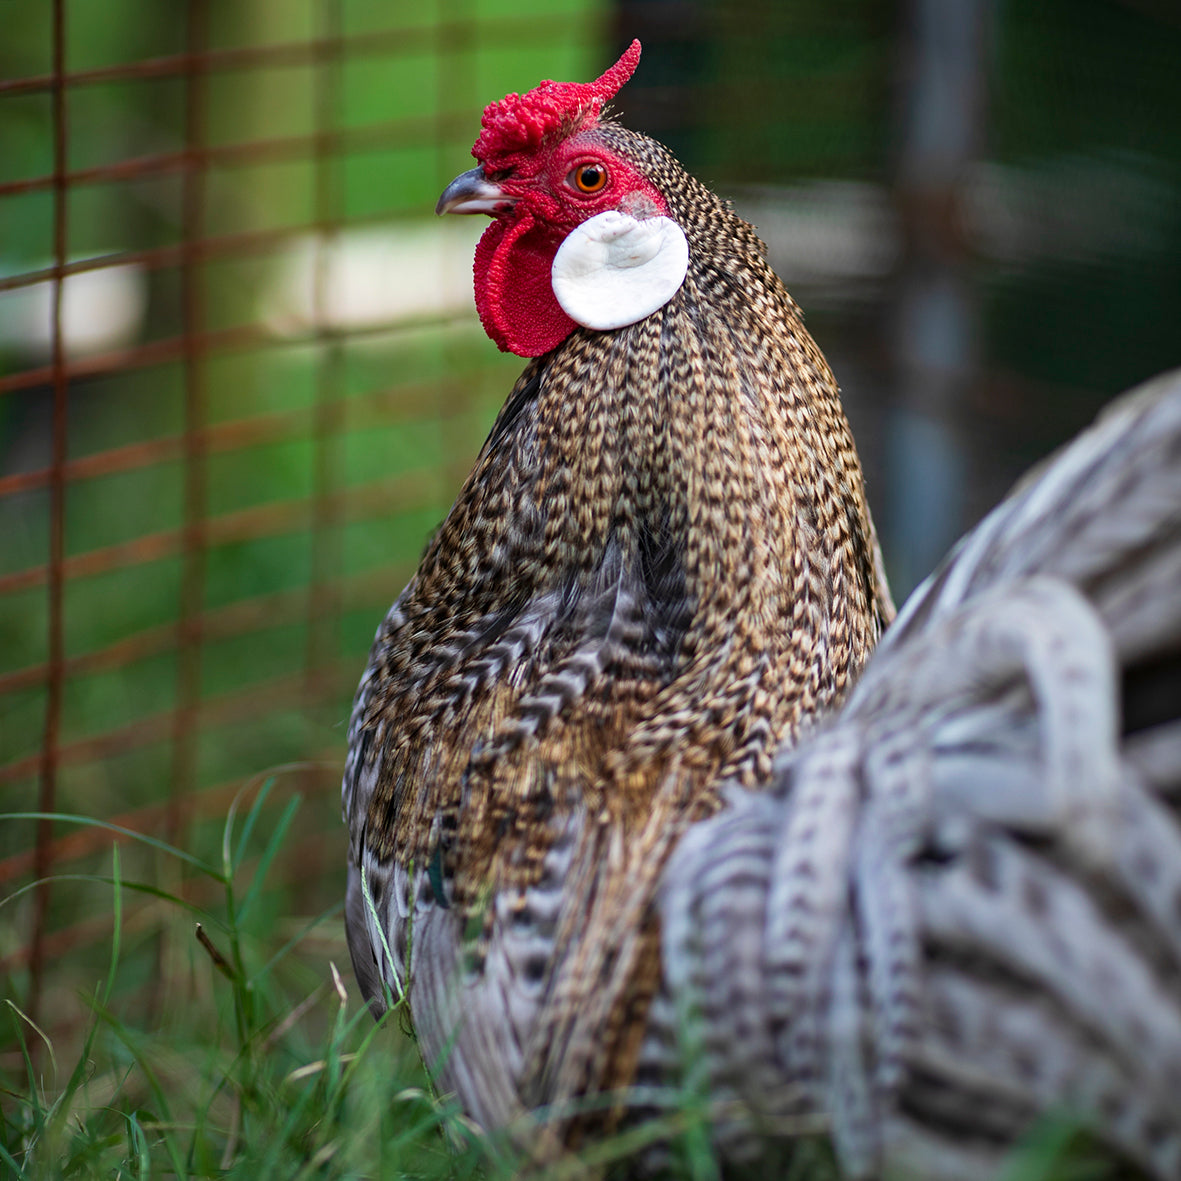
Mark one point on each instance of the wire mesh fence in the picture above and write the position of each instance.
(238, 385)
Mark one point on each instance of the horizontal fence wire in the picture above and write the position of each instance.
(393, 133)
(435, 38)
(208, 513)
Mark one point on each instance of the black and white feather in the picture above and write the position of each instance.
(959, 909)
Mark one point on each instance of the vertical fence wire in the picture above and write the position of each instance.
(192, 589)
(328, 413)
(55, 673)
(329, 405)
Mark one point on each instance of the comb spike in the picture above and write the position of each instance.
(610, 82)
(520, 122)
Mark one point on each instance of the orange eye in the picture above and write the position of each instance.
(589, 178)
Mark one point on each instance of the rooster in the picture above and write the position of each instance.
(660, 570)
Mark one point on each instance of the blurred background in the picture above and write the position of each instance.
(241, 376)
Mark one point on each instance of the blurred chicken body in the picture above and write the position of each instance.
(660, 569)
(957, 911)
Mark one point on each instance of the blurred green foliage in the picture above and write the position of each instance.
(405, 90)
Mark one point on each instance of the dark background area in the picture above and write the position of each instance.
(977, 204)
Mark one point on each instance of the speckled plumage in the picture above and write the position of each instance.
(660, 569)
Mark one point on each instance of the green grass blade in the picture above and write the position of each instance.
(130, 833)
(389, 955)
(335, 909)
(17, 1172)
(117, 932)
(34, 1104)
(268, 856)
(248, 827)
(137, 1146)
(158, 1093)
(138, 887)
(40, 1033)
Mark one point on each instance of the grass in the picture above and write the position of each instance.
(219, 1041)
(265, 1072)
(242, 1050)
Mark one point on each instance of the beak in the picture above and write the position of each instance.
(472, 192)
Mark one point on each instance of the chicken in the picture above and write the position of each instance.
(661, 568)
(959, 908)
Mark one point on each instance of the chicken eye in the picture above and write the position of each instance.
(589, 178)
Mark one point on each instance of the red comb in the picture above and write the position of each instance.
(519, 122)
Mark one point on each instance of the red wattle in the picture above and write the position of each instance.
(514, 295)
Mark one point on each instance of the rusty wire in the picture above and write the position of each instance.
(55, 668)
(328, 420)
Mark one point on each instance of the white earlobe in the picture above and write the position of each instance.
(614, 270)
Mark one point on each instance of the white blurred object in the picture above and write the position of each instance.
(1069, 208)
(825, 231)
(840, 236)
(373, 277)
(102, 310)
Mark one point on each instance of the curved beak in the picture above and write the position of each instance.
(472, 192)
